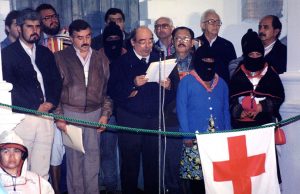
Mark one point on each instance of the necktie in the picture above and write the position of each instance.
(143, 60)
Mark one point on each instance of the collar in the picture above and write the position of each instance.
(28, 49)
(269, 48)
(213, 82)
(212, 41)
(140, 57)
(78, 51)
(257, 74)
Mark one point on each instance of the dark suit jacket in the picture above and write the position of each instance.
(121, 84)
(224, 51)
(18, 70)
(277, 57)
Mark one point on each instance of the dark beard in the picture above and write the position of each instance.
(32, 41)
(51, 31)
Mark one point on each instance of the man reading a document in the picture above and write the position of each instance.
(138, 106)
(84, 72)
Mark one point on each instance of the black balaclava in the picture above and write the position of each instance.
(252, 43)
(206, 70)
(112, 48)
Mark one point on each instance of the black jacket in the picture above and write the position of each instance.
(18, 70)
(277, 57)
(270, 87)
(121, 84)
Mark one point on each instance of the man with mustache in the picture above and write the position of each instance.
(183, 41)
(52, 36)
(269, 30)
(36, 83)
(85, 74)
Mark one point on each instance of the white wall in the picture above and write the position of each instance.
(4, 5)
(188, 13)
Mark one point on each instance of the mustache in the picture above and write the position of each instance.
(54, 24)
(181, 44)
(83, 45)
(261, 34)
(35, 34)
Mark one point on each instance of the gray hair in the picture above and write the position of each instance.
(27, 14)
(205, 15)
(170, 21)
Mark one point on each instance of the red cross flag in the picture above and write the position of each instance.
(239, 162)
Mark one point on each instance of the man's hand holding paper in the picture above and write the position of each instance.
(152, 73)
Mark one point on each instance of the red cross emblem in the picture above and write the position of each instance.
(240, 167)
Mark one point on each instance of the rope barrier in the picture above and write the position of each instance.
(140, 130)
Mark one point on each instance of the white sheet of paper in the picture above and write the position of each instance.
(73, 138)
(167, 66)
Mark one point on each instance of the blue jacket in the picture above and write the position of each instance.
(121, 84)
(195, 105)
(18, 70)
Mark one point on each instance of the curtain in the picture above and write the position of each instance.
(92, 11)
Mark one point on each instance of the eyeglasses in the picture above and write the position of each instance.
(51, 17)
(182, 39)
(161, 26)
(213, 22)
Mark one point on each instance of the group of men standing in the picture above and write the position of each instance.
(85, 77)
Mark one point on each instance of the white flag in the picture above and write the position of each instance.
(239, 162)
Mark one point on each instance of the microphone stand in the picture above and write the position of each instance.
(159, 123)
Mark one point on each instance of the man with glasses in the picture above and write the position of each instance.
(223, 49)
(137, 106)
(183, 41)
(112, 15)
(55, 39)
(163, 28)
(52, 36)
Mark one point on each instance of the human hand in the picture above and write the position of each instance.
(166, 84)
(62, 125)
(188, 142)
(45, 107)
(140, 80)
(102, 120)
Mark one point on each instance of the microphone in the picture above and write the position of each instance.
(158, 49)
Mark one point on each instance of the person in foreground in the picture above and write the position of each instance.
(256, 91)
(202, 104)
(14, 176)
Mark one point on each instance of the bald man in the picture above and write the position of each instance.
(137, 106)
